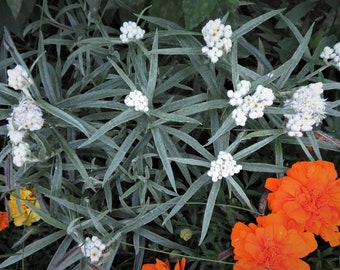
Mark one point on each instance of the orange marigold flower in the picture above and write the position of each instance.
(160, 265)
(271, 246)
(3, 220)
(310, 195)
(19, 211)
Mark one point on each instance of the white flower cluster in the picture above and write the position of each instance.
(249, 105)
(137, 100)
(93, 248)
(309, 109)
(21, 153)
(224, 166)
(18, 78)
(217, 37)
(332, 55)
(26, 116)
(130, 32)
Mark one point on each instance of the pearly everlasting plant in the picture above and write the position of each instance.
(332, 55)
(217, 38)
(130, 31)
(137, 100)
(93, 248)
(126, 136)
(309, 108)
(249, 105)
(27, 116)
(21, 153)
(224, 166)
(18, 78)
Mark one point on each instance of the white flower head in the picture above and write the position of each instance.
(21, 153)
(332, 55)
(249, 105)
(131, 32)
(95, 254)
(137, 100)
(93, 248)
(309, 109)
(27, 116)
(217, 38)
(224, 166)
(15, 136)
(18, 78)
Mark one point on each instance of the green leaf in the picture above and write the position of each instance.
(153, 71)
(173, 117)
(189, 140)
(208, 76)
(314, 144)
(160, 10)
(226, 126)
(61, 260)
(49, 78)
(191, 191)
(66, 117)
(123, 75)
(46, 217)
(123, 149)
(239, 193)
(123, 117)
(15, 6)
(158, 239)
(248, 26)
(32, 248)
(191, 161)
(261, 133)
(209, 209)
(195, 11)
(178, 51)
(72, 155)
(297, 12)
(162, 153)
(256, 146)
(141, 220)
(296, 57)
(262, 167)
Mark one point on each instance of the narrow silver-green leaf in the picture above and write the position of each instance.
(248, 26)
(72, 155)
(209, 209)
(191, 191)
(33, 248)
(173, 117)
(240, 194)
(123, 117)
(122, 74)
(162, 153)
(296, 57)
(256, 146)
(262, 167)
(153, 71)
(191, 161)
(226, 126)
(66, 117)
(123, 149)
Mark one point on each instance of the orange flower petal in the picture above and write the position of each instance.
(159, 265)
(3, 220)
(180, 265)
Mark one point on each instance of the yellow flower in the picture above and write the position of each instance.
(186, 234)
(19, 211)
